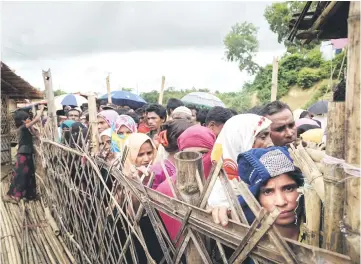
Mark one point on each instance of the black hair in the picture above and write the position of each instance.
(87, 117)
(134, 116)
(192, 107)
(158, 109)
(140, 111)
(219, 115)
(19, 117)
(233, 111)
(202, 115)
(304, 113)
(121, 111)
(72, 137)
(73, 109)
(255, 110)
(273, 108)
(84, 106)
(174, 129)
(172, 104)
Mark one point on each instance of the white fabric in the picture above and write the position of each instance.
(297, 113)
(237, 136)
(106, 132)
(182, 109)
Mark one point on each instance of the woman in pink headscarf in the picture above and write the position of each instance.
(106, 119)
(196, 138)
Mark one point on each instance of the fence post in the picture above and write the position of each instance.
(108, 90)
(160, 99)
(352, 136)
(189, 183)
(48, 82)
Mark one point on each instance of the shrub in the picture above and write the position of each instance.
(293, 62)
(314, 58)
(307, 77)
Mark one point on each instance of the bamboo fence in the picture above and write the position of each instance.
(99, 226)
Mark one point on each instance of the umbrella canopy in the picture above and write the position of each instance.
(202, 99)
(318, 108)
(124, 98)
(73, 99)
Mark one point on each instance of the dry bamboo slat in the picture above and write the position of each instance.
(352, 136)
(334, 189)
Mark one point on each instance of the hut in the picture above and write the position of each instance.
(336, 20)
(14, 89)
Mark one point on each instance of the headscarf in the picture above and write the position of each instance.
(109, 116)
(67, 124)
(237, 136)
(134, 143)
(306, 121)
(77, 129)
(125, 120)
(201, 137)
(257, 166)
(106, 132)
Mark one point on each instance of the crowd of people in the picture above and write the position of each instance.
(252, 146)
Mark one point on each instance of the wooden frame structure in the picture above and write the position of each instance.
(12, 87)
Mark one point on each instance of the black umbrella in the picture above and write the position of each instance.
(318, 108)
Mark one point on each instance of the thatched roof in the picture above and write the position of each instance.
(327, 21)
(16, 87)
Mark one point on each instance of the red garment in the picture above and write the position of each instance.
(195, 136)
(143, 128)
(201, 137)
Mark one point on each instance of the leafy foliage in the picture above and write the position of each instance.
(59, 92)
(307, 77)
(279, 15)
(241, 45)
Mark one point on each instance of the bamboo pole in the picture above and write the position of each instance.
(334, 190)
(313, 215)
(352, 137)
(48, 82)
(160, 99)
(108, 89)
(188, 165)
(93, 123)
(274, 79)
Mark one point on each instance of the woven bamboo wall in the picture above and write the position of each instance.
(5, 131)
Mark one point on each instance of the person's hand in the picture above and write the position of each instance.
(219, 214)
(143, 171)
(41, 108)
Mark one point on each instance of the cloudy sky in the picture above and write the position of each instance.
(136, 42)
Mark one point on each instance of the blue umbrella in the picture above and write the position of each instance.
(318, 108)
(124, 98)
(73, 99)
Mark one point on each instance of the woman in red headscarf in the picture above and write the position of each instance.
(196, 138)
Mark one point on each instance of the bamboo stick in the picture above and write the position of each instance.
(313, 215)
(93, 124)
(334, 190)
(188, 164)
(48, 82)
(160, 99)
(352, 137)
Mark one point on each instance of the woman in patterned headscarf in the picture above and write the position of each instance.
(106, 119)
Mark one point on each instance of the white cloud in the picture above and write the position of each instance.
(183, 68)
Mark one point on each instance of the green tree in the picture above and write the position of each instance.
(279, 15)
(127, 89)
(242, 45)
(59, 92)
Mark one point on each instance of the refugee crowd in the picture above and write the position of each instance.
(252, 146)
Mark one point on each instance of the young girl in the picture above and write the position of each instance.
(23, 184)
